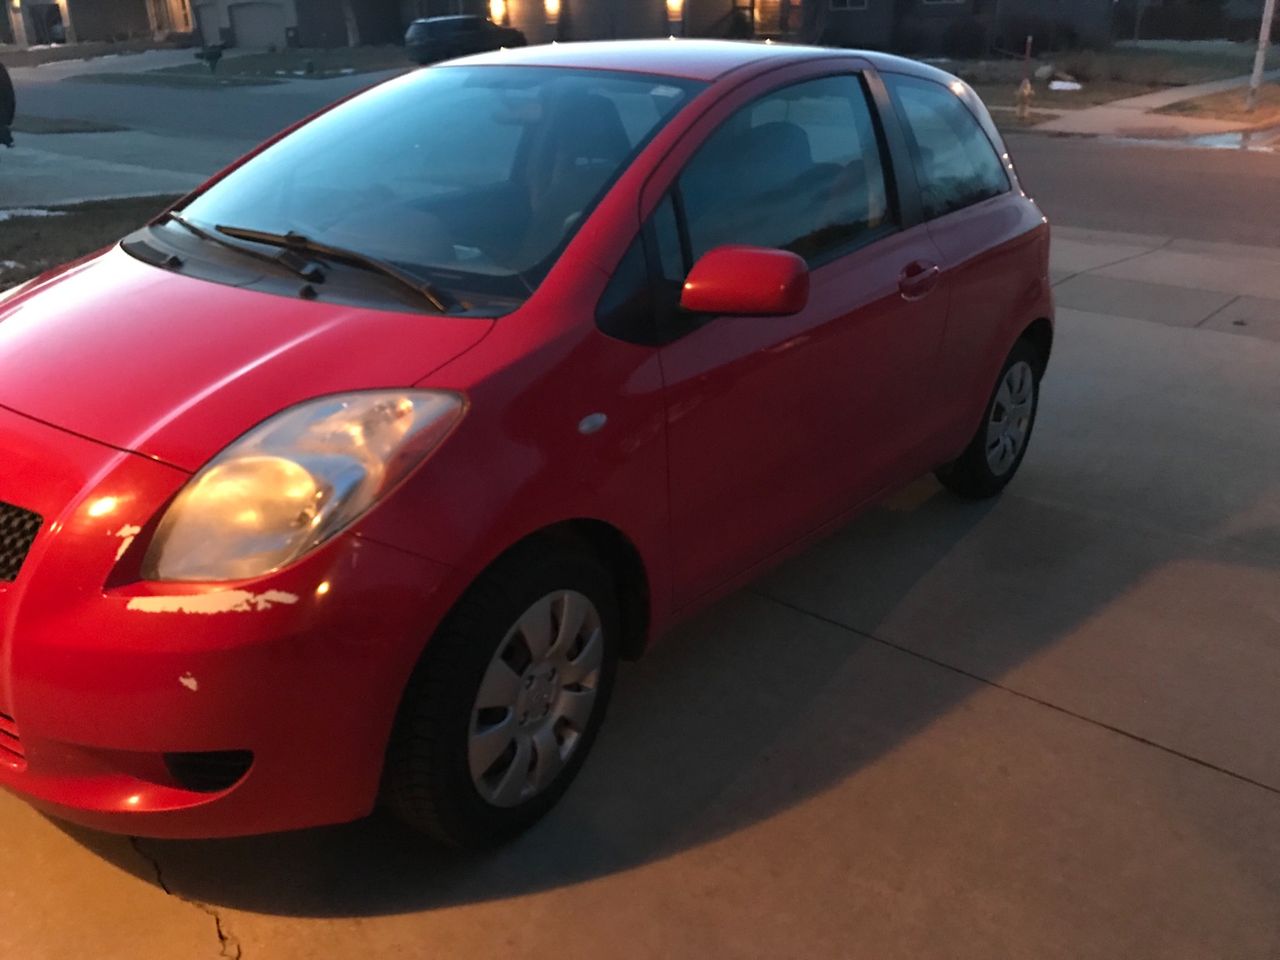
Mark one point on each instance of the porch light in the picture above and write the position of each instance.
(553, 10)
(497, 10)
(675, 9)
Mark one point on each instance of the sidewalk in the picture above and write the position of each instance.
(1178, 283)
(52, 169)
(143, 62)
(1134, 116)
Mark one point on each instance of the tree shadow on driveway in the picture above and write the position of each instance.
(731, 690)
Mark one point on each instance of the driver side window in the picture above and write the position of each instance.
(801, 169)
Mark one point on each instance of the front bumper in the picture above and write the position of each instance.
(101, 676)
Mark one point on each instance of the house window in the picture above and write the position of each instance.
(848, 4)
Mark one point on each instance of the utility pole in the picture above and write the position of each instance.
(1260, 61)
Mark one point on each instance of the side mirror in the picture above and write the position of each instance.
(747, 281)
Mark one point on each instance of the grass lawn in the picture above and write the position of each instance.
(1093, 94)
(300, 64)
(77, 51)
(1007, 121)
(1230, 106)
(1161, 66)
(1107, 75)
(29, 245)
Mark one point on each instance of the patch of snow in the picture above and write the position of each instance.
(19, 212)
(346, 72)
(10, 265)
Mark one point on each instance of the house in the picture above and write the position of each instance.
(1189, 19)
(303, 23)
(958, 27)
(34, 22)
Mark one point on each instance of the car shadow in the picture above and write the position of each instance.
(705, 705)
(744, 712)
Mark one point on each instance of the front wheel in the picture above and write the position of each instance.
(996, 451)
(506, 703)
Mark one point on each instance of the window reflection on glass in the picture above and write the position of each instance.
(799, 170)
(956, 164)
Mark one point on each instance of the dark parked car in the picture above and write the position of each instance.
(443, 38)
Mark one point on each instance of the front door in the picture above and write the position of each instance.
(778, 424)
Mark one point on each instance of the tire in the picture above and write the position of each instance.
(997, 449)
(445, 776)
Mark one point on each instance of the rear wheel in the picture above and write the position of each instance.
(507, 700)
(996, 451)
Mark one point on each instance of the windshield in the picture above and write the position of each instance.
(474, 178)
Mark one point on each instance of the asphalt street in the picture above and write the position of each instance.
(1222, 195)
(1197, 193)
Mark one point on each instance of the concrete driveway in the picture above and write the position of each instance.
(1046, 727)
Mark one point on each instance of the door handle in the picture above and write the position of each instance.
(918, 280)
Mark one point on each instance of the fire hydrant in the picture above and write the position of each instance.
(1025, 93)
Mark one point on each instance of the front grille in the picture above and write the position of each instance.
(10, 746)
(18, 529)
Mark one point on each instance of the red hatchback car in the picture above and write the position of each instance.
(353, 477)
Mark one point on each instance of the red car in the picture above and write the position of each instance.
(353, 477)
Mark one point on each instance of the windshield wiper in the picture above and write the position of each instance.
(301, 243)
(304, 269)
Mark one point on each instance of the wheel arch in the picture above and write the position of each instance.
(614, 550)
(619, 555)
(1040, 335)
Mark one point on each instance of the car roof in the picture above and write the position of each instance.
(705, 60)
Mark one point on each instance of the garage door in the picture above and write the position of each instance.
(207, 19)
(258, 24)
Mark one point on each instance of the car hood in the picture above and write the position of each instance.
(176, 368)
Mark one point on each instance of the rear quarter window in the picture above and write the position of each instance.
(956, 163)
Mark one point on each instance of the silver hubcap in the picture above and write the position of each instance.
(1011, 417)
(536, 699)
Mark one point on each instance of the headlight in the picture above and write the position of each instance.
(295, 481)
